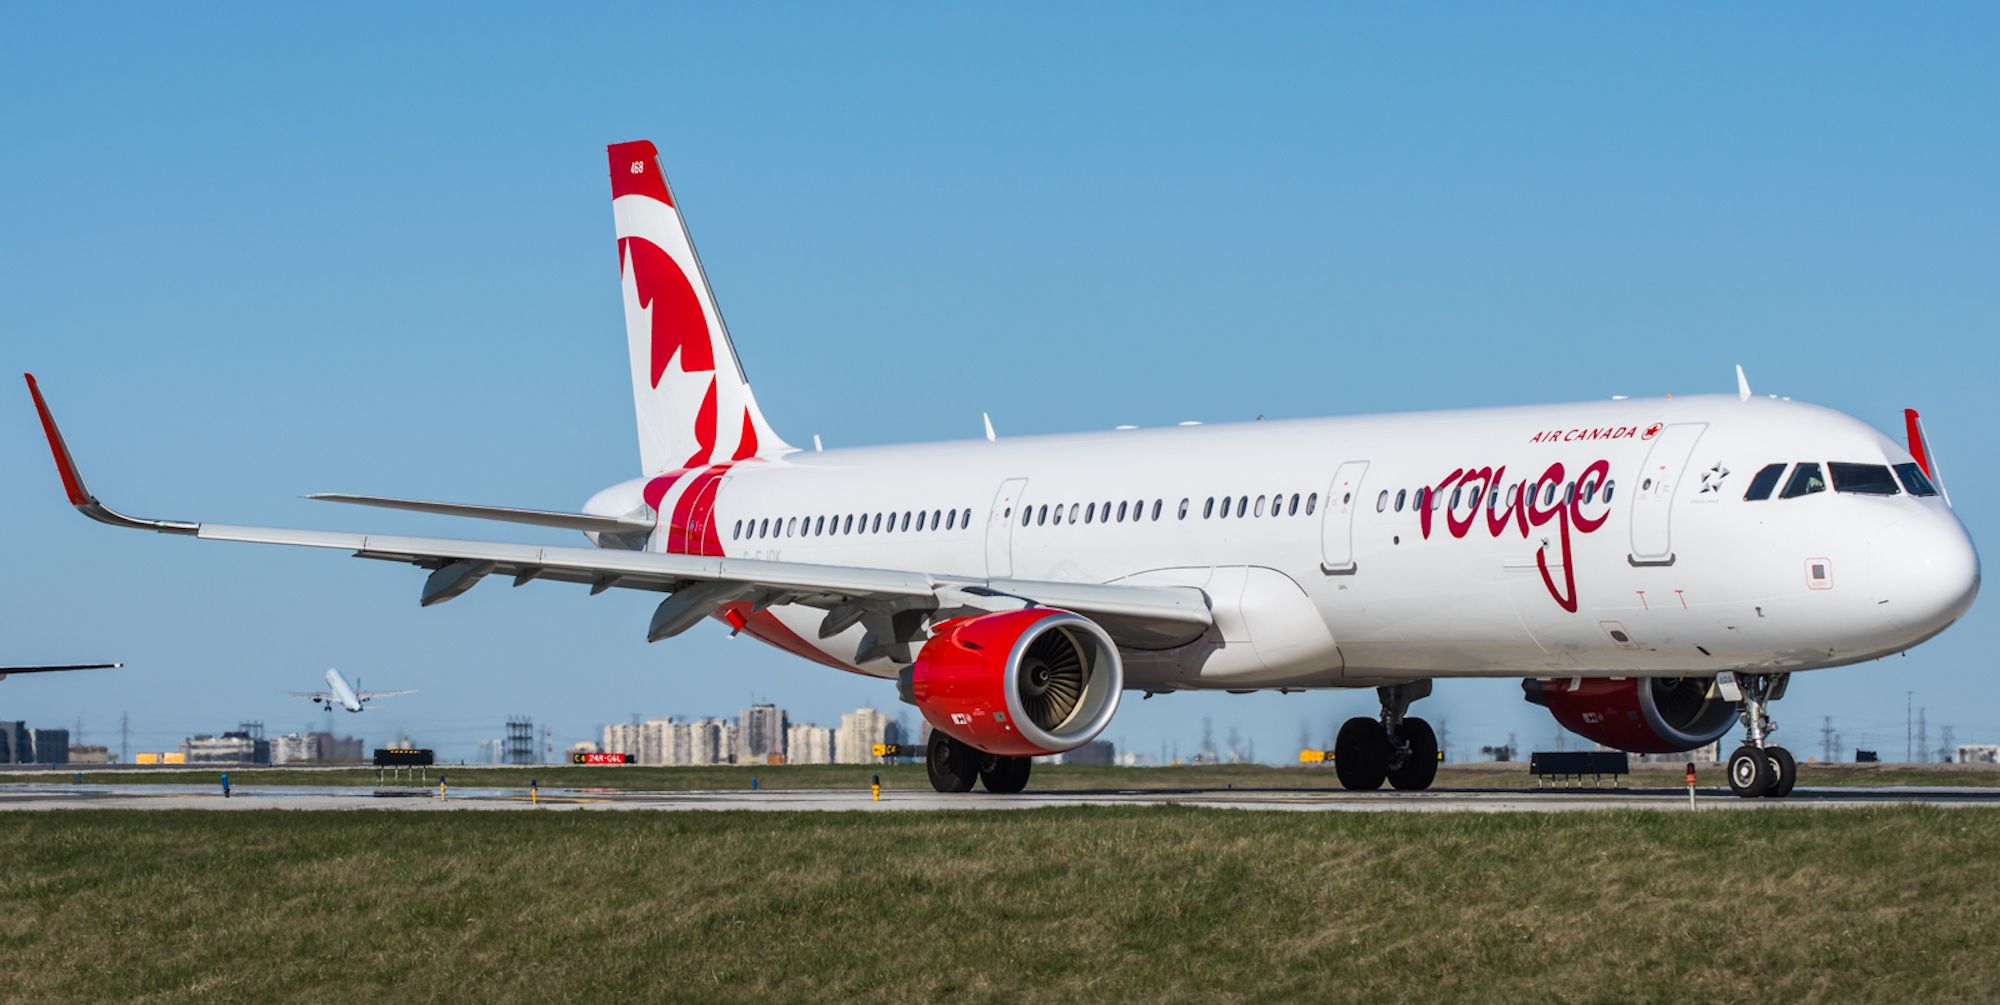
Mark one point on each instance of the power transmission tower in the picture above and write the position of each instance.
(1908, 753)
(1444, 738)
(1947, 751)
(1826, 738)
(124, 738)
(1923, 737)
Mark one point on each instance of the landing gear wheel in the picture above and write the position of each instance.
(1004, 775)
(1419, 767)
(1750, 773)
(1361, 754)
(953, 765)
(1784, 772)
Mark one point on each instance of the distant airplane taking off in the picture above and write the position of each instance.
(344, 694)
(5, 671)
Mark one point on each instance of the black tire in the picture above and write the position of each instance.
(1784, 772)
(1420, 765)
(952, 765)
(1361, 754)
(1750, 774)
(1005, 775)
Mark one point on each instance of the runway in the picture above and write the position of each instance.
(35, 796)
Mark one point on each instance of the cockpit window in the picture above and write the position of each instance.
(1764, 481)
(1806, 479)
(1915, 481)
(1862, 479)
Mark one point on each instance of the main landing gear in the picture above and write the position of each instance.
(1396, 748)
(955, 766)
(1759, 767)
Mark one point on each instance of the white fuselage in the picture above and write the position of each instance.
(1352, 586)
(342, 691)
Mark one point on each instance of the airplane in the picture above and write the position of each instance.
(340, 692)
(6, 672)
(1653, 571)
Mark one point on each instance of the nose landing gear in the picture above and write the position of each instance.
(1395, 748)
(1759, 767)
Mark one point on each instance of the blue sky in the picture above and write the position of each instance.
(371, 251)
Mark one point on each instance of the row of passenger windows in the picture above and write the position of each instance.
(1473, 496)
(1860, 479)
(852, 523)
(1137, 510)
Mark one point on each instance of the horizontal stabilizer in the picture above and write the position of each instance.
(586, 522)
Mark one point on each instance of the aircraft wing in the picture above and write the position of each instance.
(59, 667)
(887, 603)
(372, 695)
(314, 695)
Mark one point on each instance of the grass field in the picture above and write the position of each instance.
(1139, 904)
(911, 776)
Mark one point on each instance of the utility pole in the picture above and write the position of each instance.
(124, 738)
(1947, 751)
(1826, 738)
(1923, 737)
(1444, 738)
(1907, 752)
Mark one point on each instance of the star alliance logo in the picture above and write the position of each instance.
(1711, 480)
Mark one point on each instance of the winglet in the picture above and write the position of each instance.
(1742, 384)
(72, 479)
(65, 465)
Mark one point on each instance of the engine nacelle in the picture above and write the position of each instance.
(1018, 683)
(1642, 715)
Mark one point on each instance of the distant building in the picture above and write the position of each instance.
(16, 745)
(760, 733)
(229, 748)
(90, 753)
(489, 751)
(292, 748)
(1979, 753)
(1094, 752)
(622, 738)
(51, 746)
(337, 750)
(806, 743)
(860, 730)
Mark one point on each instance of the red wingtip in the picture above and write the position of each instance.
(635, 170)
(1913, 427)
(72, 481)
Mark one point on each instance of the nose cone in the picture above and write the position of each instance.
(1926, 572)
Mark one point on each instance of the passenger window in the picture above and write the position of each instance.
(1042, 515)
(1074, 509)
(1227, 505)
(1401, 497)
(1183, 509)
(878, 523)
(1476, 491)
(1293, 509)
(1549, 494)
(1157, 503)
(1608, 486)
(1455, 494)
(1090, 513)
(936, 515)
(1059, 515)
(1569, 494)
(1806, 480)
(905, 525)
(847, 525)
(1915, 481)
(1763, 482)
(1208, 508)
(1027, 515)
(951, 519)
(1242, 506)
(1121, 511)
(1862, 479)
(1311, 501)
(965, 517)
(1260, 505)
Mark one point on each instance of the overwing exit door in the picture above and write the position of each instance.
(1337, 525)
(1000, 528)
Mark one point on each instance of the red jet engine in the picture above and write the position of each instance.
(1642, 715)
(1018, 683)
